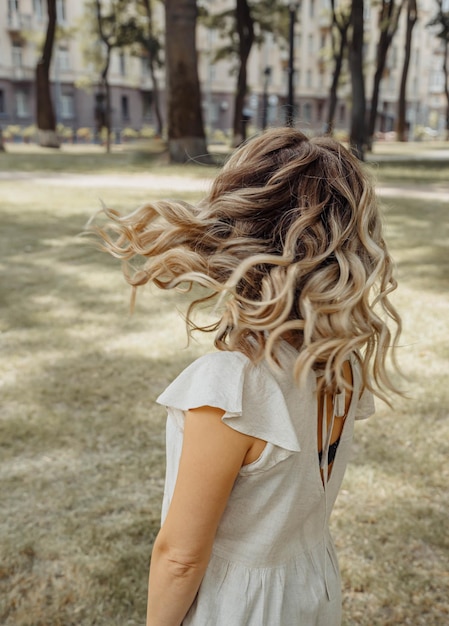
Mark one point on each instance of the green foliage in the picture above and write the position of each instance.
(84, 133)
(125, 26)
(147, 132)
(441, 19)
(130, 133)
(29, 132)
(65, 132)
(11, 131)
(270, 16)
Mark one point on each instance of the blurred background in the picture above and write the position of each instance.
(101, 70)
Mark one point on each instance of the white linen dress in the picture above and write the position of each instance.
(273, 561)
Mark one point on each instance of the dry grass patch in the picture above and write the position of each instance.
(82, 442)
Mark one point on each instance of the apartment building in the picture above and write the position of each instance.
(78, 97)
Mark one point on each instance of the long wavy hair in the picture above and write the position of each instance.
(289, 244)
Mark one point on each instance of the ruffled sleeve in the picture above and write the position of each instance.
(249, 394)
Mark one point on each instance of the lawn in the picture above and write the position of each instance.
(82, 442)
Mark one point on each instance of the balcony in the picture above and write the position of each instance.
(18, 22)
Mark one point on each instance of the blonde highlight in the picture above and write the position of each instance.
(289, 241)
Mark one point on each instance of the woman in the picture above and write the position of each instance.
(289, 241)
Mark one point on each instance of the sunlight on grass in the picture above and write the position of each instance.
(82, 442)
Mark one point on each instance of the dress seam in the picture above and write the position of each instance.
(327, 540)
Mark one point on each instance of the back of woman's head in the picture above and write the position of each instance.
(290, 237)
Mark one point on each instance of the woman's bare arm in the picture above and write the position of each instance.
(211, 458)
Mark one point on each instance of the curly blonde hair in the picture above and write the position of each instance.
(289, 241)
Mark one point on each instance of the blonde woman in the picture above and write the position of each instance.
(289, 246)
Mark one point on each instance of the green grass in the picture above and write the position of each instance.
(411, 173)
(133, 158)
(82, 442)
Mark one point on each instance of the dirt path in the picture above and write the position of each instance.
(153, 182)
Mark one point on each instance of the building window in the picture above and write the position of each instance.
(122, 63)
(22, 109)
(436, 81)
(67, 108)
(366, 10)
(392, 58)
(61, 11)
(147, 104)
(63, 59)
(38, 9)
(311, 44)
(312, 8)
(17, 56)
(307, 112)
(145, 66)
(319, 111)
(309, 78)
(2, 102)
(100, 110)
(125, 108)
(13, 6)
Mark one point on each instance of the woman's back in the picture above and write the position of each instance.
(274, 531)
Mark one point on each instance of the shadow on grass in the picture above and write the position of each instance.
(52, 268)
(82, 451)
(418, 232)
(135, 158)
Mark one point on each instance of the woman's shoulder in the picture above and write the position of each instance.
(213, 377)
(248, 393)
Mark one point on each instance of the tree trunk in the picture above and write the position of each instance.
(388, 21)
(357, 137)
(446, 83)
(186, 137)
(338, 54)
(104, 117)
(2, 144)
(106, 89)
(401, 122)
(245, 29)
(45, 115)
(151, 60)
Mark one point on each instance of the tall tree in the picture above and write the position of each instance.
(107, 25)
(152, 46)
(45, 114)
(401, 121)
(186, 137)
(240, 27)
(341, 20)
(388, 19)
(441, 20)
(112, 26)
(245, 29)
(2, 144)
(357, 137)
(138, 28)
